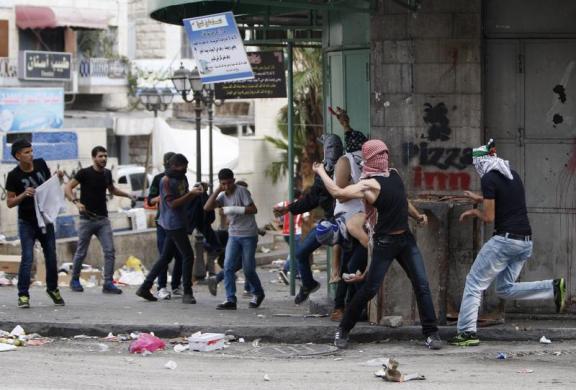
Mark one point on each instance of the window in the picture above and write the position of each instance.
(123, 180)
(137, 180)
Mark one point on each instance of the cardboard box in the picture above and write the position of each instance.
(205, 342)
(10, 263)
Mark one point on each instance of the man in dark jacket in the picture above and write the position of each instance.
(317, 196)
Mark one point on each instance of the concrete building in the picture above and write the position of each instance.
(435, 78)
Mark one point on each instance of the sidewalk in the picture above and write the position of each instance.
(278, 319)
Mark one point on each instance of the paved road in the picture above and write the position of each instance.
(73, 364)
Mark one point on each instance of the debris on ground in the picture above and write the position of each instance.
(83, 336)
(502, 356)
(266, 378)
(557, 353)
(205, 342)
(132, 273)
(256, 343)
(17, 331)
(7, 347)
(525, 371)
(146, 342)
(171, 365)
(181, 347)
(390, 372)
(544, 340)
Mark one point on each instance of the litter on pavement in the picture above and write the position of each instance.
(205, 342)
(544, 340)
(146, 342)
(390, 372)
(171, 365)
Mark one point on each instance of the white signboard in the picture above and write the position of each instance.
(218, 49)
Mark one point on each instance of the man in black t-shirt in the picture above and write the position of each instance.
(94, 181)
(503, 256)
(21, 185)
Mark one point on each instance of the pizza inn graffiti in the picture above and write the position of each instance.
(435, 166)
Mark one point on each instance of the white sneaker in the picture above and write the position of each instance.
(163, 294)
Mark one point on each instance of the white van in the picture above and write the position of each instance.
(131, 180)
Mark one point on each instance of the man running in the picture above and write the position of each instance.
(503, 256)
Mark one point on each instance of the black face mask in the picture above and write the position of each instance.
(178, 174)
(333, 150)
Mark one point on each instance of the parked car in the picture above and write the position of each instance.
(131, 179)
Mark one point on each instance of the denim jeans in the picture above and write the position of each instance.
(353, 259)
(306, 248)
(403, 248)
(500, 259)
(176, 241)
(241, 251)
(297, 238)
(30, 232)
(177, 268)
(102, 228)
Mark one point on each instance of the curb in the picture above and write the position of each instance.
(287, 334)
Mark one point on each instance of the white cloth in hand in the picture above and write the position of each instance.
(234, 210)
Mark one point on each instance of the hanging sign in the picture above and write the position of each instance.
(45, 66)
(269, 79)
(217, 48)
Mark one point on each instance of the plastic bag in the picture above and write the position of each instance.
(146, 342)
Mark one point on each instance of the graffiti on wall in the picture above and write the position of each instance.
(437, 167)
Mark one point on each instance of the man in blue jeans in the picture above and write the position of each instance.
(503, 256)
(94, 181)
(239, 208)
(316, 196)
(21, 185)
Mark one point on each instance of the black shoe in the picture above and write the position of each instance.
(304, 293)
(560, 294)
(434, 341)
(227, 305)
(56, 297)
(188, 298)
(213, 285)
(341, 339)
(110, 288)
(256, 301)
(146, 294)
(76, 286)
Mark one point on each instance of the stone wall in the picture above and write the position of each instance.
(150, 34)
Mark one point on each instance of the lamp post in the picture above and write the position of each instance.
(153, 99)
(188, 83)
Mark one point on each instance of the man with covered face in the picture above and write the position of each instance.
(501, 259)
(316, 196)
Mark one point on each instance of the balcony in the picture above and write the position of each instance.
(89, 76)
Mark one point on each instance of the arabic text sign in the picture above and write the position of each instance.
(217, 48)
(31, 109)
(269, 79)
(45, 65)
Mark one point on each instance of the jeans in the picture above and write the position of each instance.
(403, 248)
(102, 228)
(30, 232)
(306, 248)
(500, 259)
(176, 270)
(297, 239)
(240, 251)
(353, 259)
(176, 241)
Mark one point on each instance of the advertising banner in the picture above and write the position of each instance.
(269, 79)
(31, 109)
(217, 48)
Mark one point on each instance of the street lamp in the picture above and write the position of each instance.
(189, 82)
(153, 99)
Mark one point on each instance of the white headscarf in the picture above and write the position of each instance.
(485, 160)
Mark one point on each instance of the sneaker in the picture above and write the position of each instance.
(110, 288)
(337, 314)
(465, 339)
(177, 292)
(188, 298)
(304, 293)
(434, 341)
(559, 294)
(76, 286)
(341, 339)
(213, 285)
(163, 294)
(256, 301)
(283, 276)
(227, 305)
(146, 294)
(24, 302)
(56, 297)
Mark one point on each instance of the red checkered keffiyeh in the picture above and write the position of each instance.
(375, 156)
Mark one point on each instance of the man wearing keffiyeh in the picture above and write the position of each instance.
(501, 259)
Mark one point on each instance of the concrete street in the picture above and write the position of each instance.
(97, 364)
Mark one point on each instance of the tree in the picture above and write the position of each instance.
(308, 119)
